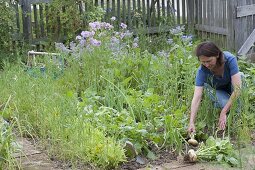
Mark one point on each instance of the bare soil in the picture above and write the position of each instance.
(32, 158)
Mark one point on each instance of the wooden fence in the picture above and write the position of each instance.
(152, 15)
(227, 22)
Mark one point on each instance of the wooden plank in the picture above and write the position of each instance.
(225, 20)
(47, 19)
(204, 18)
(200, 15)
(178, 12)
(217, 20)
(211, 18)
(64, 25)
(113, 8)
(118, 13)
(144, 13)
(158, 9)
(134, 19)
(82, 6)
(129, 14)
(153, 12)
(195, 11)
(26, 17)
(41, 20)
(221, 20)
(172, 9)
(108, 10)
(241, 33)
(139, 11)
(245, 10)
(168, 9)
(102, 4)
(148, 13)
(212, 29)
(16, 6)
(190, 15)
(36, 27)
(231, 6)
(224, 11)
(124, 11)
(247, 44)
(163, 8)
(249, 19)
(218, 10)
(183, 11)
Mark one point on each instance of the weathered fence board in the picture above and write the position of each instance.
(211, 29)
(247, 44)
(245, 10)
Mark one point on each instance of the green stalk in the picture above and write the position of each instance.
(131, 109)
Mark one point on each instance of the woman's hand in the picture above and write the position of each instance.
(222, 120)
(191, 128)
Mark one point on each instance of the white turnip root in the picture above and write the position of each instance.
(192, 141)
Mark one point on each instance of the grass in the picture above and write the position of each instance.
(103, 99)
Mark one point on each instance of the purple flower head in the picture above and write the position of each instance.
(122, 35)
(129, 34)
(163, 53)
(178, 30)
(62, 47)
(108, 26)
(87, 34)
(82, 42)
(169, 41)
(95, 42)
(123, 26)
(135, 45)
(72, 46)
(95, 25)
(113, 18)
(136, 39)
(115, 40)
(78, 37)
(186, 38)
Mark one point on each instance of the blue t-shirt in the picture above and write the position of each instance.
(204, 75)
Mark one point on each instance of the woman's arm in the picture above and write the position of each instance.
(236, 83)
(194, 107)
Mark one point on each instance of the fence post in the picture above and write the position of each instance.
(190, 15)
(26, 17)
(231, 27)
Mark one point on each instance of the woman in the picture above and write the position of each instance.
(218, 72)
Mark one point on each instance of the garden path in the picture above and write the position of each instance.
(31, 158)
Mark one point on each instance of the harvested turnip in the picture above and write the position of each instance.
(192, 155)
(192, 141)
(220, 150)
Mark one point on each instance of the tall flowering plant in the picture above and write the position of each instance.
(103, 35)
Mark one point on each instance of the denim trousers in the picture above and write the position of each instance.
(221, 97)
(218, 97)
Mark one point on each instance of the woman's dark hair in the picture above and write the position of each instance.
(209, 49)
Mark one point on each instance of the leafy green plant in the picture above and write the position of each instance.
(65, 21)
(215, 149)
(7, 24)
(6, 145)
